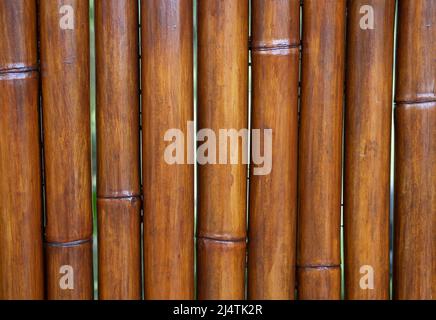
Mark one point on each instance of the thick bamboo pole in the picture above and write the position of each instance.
(368, 118)
(64, 36)
(320, 149)
(118, 186)
(167, 103)
(21, 249)
(222, 104)
(273, 197)
(415, 152)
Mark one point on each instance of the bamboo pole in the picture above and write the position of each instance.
(64, 34)
(167, 103)
(21, 249)
(320, 149)
(415, 152)
(118, 186)
(273, 197)
(222, 104)
(367, 148)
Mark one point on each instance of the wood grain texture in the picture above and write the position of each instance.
(67, 153)
(167, 103)
(21, 252)
(273, 197)
(221, 264)
(18, 37)
(368, 117)
(222, 104)
(21, 249)
(320, 141)
(78, 256)
(416, 66)
(415, 153)
(117, 69)
(118, 177)
(326, 283)
(119, 247)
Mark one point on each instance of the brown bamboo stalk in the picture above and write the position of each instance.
(66, 124)
(167, 103)
(415, 152)
(222, 104)
(320, 149)
(118, 183)
(368, 118)
(21, 249)
(273, 197)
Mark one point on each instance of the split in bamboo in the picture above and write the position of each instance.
(64, 37)
(222, 104)
(368, 118)
(118, 186)
(320, 149)
(167, 103)
(273, 197)
(21, 248)
(415, 152)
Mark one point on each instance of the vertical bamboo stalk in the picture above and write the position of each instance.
(273, 197)
(415, 152)
(21, 250)
(64, 34)
(367, 148)
(167, 103)
(320, 149)
(222, 104)
(118, 186)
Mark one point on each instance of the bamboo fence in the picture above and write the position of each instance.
(273, 214)
(415, 145)
(67, 146)
(21, 246)
(319, 74)
(118, 177)
(368, 117)
(320, 150)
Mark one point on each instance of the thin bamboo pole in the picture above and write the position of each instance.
(273, 197)
(320, 149)
(167, 103)
(368, 118)
(118, 186)
(21, 249)
(222, 104)
(415, 152)
(64, 36)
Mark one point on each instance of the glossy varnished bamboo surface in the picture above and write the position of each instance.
(368, 117)
(222, 104)
(320, 146)
(68, 273)
(167, 103)
(415, 152)
(67, 152)
(273, 197)
(118, 178)
(119, 248)
(21, 251)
